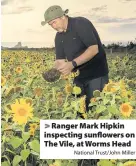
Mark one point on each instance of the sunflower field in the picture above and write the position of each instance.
(31, 90)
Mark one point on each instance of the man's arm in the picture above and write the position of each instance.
(67, 67)
(85, 31)
(87, 55)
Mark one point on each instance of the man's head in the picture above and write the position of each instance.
(59, 24)
(56, 18)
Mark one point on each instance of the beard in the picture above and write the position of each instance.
(60, 30)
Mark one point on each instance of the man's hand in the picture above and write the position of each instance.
(58, 63)
(65, 68)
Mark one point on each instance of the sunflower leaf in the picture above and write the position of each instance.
(16, 160)
(34, 145)
(34, 153)
(119, 164)
(16, 142)
(100, 109)
(105, 101)
(25, 153)
(105, 163)
(49, 161)
(5, 163)
(68, 114)
(113, 110)
(25, 136)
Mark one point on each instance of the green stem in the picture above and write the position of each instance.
(47, 108)
(48, 114)
(65, 104)
(66, 99)
(10, 151)
(24, 146)
(53, 92)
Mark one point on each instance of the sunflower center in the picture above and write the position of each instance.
(34, 126)
(22, 112)
(125, 108)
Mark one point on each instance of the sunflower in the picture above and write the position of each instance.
(77, 73)
(84, 116)
(29, 101)
(110, 87)
(82, 104)
(122, 84)
(8, 76)
(76, 90)
(110, 81)
(31, 132)
(130, 163)
(51, 75)
(131, 83)
(59, 94)
(68, 88)
(38, 91)
(18, 89)
(93, 100)
(19, 70)
(96, 93)
(64, 77)
(22, 111)
(33, 126)
(123, 93)
(17, 80)
(105, 88)
(74, 74)
(130, 95)
(126, 109)
(3, 81)
(59, 101)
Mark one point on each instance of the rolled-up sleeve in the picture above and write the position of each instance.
(84, 29)
(59, 51)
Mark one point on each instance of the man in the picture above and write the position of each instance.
(78, 41)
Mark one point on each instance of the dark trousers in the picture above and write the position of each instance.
(88, 87)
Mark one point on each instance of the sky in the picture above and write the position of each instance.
(21, 20)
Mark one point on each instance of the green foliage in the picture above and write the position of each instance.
(34, 145)
(24, 154)
(16, 142)
(16, 160)
(23, 144)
